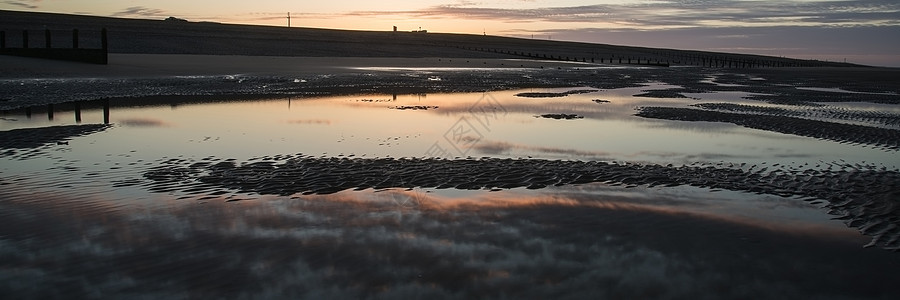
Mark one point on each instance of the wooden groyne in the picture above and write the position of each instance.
(663, 58)
(75, 53)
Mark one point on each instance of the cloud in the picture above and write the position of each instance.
(310, 121)
(499, 147)
(140, 11)
(807, 42)
(674, 14)
(30, 4)
(143, 122)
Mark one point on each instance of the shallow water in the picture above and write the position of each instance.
(495, 124)
(81, 225)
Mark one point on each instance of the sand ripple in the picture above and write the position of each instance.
(552, 94)
(864, 197)
(873, 117)
(35, 137)
(844, 133)
(13, 142)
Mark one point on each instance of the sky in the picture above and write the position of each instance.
(858, 31)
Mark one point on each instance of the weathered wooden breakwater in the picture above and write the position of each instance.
(75, 53)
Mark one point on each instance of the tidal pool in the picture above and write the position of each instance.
(494, 124)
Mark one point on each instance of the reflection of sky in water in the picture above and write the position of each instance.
(581, 241)
(366, 125)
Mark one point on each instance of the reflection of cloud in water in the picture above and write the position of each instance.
(143, 122)
(497, 147)
(310, 121)
(761, 211)
(345, 246)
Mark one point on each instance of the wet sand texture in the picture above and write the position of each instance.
(552, 95)
(862, 196)
(844, 133)
(138, 78)
(874, 117)
(560, 116)
(29, 138)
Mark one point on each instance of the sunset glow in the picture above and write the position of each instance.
(811, 29)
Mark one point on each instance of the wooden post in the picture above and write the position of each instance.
(74, 38)
(24, 39)
(106, 110)
(77, 112)
(50, 112)
(47, 37)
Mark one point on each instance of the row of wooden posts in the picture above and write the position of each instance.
(724, 61)
(76, 53)
(714, 61)
(611, 60)
(48, 38)
(77, 110)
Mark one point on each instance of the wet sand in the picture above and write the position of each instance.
(844, 133)
(29, 142)
(166, 65)
(136, 77)
(861, 195)
(36, 137)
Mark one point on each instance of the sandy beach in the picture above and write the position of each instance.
(167, 65)
(429, 167)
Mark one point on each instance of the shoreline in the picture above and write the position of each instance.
(123, 65)
(29, 82)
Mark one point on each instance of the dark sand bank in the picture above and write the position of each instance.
(875, 117)
(844, 133)
(862, 195)
(29, 138)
